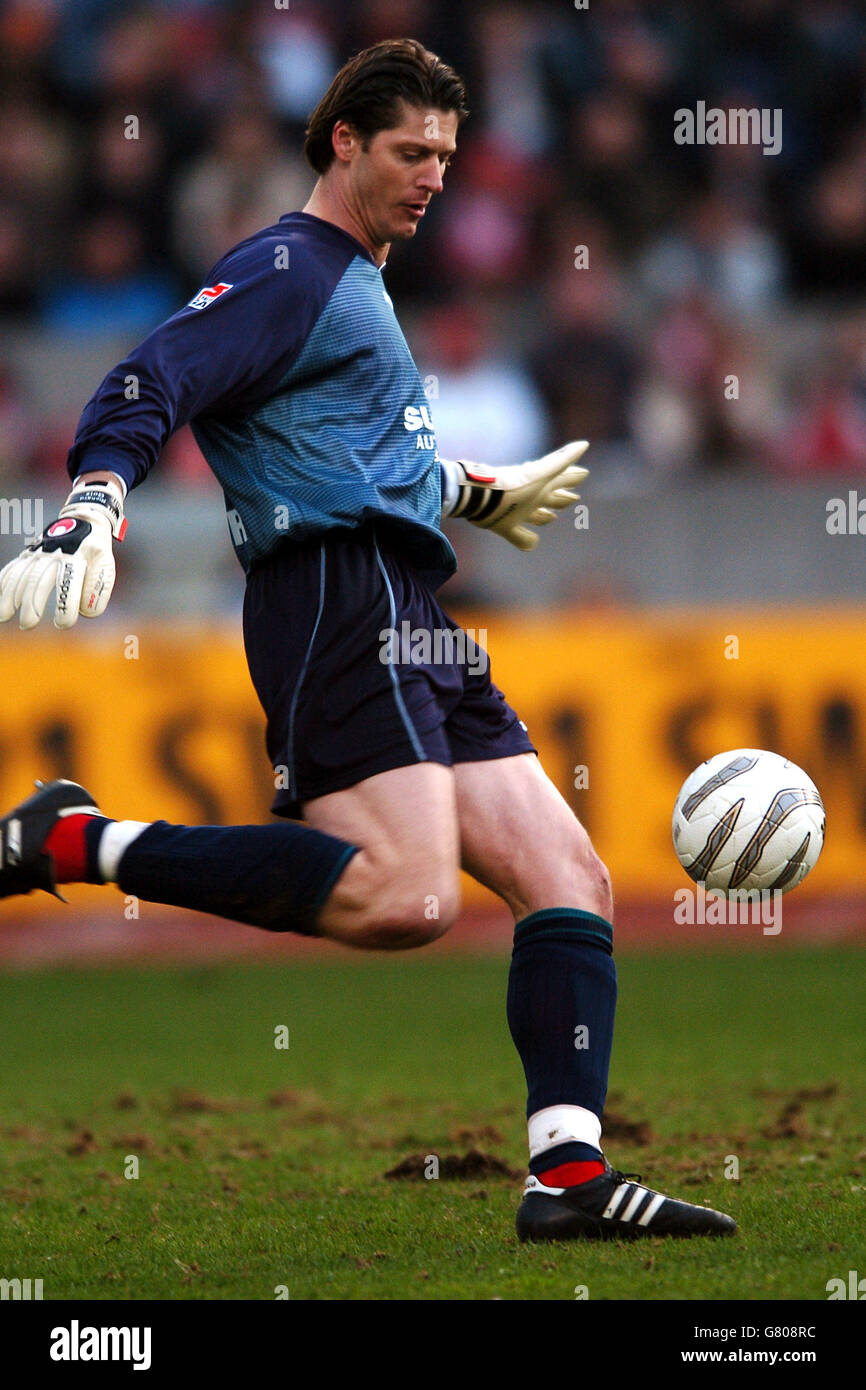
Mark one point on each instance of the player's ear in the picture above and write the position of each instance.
(345, 140)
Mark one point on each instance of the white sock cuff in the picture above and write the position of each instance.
(558, 1124)
(116, 839)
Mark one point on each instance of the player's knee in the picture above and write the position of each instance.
(600, 887)
(571, 875)
(403, 921)
(591, 875)
(385, 907)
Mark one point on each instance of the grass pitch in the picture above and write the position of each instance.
(261, 1168)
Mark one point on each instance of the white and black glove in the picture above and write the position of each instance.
(72, 559)
(509, 500)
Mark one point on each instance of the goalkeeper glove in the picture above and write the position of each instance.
(72, 558)
(506, 499)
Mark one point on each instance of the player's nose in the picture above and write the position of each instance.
(431, 177)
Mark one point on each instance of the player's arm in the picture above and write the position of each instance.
(233, 349)
(510, 500)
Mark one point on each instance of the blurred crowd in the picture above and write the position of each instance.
(685, 307)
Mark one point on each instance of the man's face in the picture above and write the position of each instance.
(391, 182)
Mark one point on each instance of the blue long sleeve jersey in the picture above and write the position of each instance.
(301, 392)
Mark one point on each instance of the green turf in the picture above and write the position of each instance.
(262, 1167)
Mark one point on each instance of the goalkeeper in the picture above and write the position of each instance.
(303, 396)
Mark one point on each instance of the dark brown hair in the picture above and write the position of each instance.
(368, 90)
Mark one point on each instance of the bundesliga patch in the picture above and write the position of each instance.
(208, 295)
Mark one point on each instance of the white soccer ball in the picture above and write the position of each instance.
(748, 819)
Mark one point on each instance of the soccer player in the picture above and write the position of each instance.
(306, 403)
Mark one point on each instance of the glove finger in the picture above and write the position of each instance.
(70, 578)
(561, 483)
(29, 568)
(572, 476)
(98, 584)
(542, 516)
(560, 461)
(565, 481)
(34, 589)
(571, 452)
(523, 538)
(10, 578)
(559, 499)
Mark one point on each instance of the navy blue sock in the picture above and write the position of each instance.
(271, 876)
(561, 1007)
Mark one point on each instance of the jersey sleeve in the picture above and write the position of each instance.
(230, 346)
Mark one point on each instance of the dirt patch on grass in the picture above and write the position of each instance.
(788, 1124)
(616, 1126)
(134, 1143)
(279, 1100)
(802, 1093)
(472, 1164)
(308, 1101)
(791, 1123)
(26, 1132)
(193, 1103)
(83, 1143)
(698, 1177)
(697, 1166)
(247, 1148)
(486, 1134)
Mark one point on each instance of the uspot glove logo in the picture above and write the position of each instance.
(208, 295)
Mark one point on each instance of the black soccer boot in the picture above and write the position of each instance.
(612, 1205)
(24, 865)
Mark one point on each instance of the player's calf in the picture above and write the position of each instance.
(276, 877)
(287, 877)
(401, 890)
(381, 904)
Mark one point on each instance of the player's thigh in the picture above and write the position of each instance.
(406, 874)
(520, 838)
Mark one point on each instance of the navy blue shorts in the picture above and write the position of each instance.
(359, 670)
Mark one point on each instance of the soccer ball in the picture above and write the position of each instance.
(748, 819)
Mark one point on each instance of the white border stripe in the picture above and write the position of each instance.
(616, 1199)
(640, 1193)
(651, 1210)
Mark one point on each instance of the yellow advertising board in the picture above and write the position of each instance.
(164, 724)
